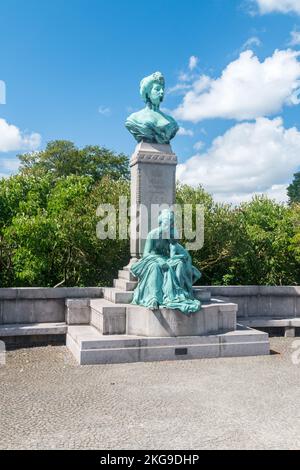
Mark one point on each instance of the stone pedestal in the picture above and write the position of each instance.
(90, 347)
(213, 318)
(153, 182)
(120, 332)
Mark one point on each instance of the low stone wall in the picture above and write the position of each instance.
(40, 305)
(45, 305)
(261, 301)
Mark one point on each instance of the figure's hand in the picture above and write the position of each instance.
(181, 257)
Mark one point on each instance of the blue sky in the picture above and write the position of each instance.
(72, 70)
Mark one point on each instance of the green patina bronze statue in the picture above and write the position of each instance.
(165, 272)
(150, 124)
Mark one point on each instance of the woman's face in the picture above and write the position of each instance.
(157, 94)
(167, 227)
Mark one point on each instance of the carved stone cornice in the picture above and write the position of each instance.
(153, 153)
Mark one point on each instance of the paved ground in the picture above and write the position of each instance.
(47, 401)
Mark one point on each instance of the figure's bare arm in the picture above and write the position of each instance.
(177, 251)
(172, 250)
(148, 246)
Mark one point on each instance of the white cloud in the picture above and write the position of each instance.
(247, 89)
(254, 41)
(184, 77)
(183, 131)
(295, 38)
(193, 62)
(105, 111)
(199, 145)
(10, 165)
(258, 157)
(179, 88)
(12, 139)
(279, 6)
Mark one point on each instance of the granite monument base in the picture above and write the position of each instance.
(89, 346)
(213, 318)
(119, 332)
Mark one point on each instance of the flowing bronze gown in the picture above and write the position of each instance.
(166, 276)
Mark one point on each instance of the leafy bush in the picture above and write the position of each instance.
(48, 226)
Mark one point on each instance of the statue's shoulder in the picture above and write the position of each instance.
(138, 117)
(170, 119)
(153, 234)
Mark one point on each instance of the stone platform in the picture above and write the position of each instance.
(89, 346)
(112, 330)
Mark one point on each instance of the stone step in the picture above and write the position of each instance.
(104, 306)
(107, 317)
(32, 329)
(117, 296)
(87, 337)
(90, 347)
(125, 285)
(126, 274)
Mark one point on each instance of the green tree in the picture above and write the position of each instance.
(20, 189)
(263, 245)
(48, 217)
(57, 244)
(48, 225)
(295, 241)
(254, 243)
(293, 189)
(219, 229)
(62, 158)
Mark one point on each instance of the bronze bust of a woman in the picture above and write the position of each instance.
(150, 124)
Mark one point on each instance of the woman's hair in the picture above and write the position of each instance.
(148, 82)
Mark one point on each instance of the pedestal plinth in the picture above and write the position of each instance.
(214, 318)
(153, 183)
